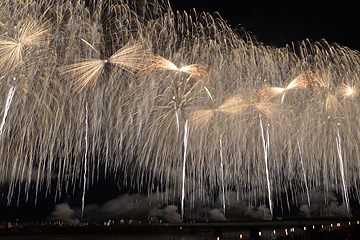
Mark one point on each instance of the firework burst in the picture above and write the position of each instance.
(28, 33)
(177, 101)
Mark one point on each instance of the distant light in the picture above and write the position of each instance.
(331, 225)
(349, 223)
(218, 238)
(259, 234)
(313, 226)
(338, 224)
(304, 228)
(240, 236)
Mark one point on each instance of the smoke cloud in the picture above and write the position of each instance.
(305, 210)
(63, 212)
(217, 215)
(161, 206)
(322, 205)
(165, 206)
(169, 214)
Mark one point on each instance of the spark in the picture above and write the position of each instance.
(30, 33)
(89, 70)
(233, 106)
(7, 106)
(346, 90)
(85, 160)
(343, 179)
(301, 81)
(186, 134)
(160, 81)
(266, 150)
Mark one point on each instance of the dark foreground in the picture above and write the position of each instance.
(306, 229)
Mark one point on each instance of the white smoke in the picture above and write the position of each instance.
(258, 213)
(136, 206)
(63, 212)
(168, 214)
(197, 208)
(217, 215)
(305, 210)
(322, 205)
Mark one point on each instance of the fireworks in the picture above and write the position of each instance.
(28, 33)
(184, 104)
(90, 69)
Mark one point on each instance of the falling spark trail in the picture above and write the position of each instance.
(265, 146)
(208, 92)
(303, 169)
(143, 90)
(186, 134)
(177, 118)
(85, 161)
(222, 177)
(7, 106)
(283, 96)
(177, 121)
(338, 145)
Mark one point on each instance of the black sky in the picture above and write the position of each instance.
(278, 23)
(274, 23)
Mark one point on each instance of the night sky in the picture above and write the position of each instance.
(275, 24)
